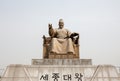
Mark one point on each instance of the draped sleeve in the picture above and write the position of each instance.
(68, 33)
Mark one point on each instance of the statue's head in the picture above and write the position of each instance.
(61, 23)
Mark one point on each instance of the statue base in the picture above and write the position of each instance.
(60, 73)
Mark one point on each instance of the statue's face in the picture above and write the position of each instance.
(61, 25)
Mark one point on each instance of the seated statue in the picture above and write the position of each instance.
(62, 40)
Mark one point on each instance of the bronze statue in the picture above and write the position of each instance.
(61, 40)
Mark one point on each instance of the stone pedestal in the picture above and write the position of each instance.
(60, 73)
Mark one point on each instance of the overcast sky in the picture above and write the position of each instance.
(24, 22)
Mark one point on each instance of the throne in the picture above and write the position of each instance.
(48, 55)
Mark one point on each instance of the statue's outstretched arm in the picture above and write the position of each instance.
(51, 30)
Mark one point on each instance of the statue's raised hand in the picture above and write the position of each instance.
(50, 26)
(51, 30)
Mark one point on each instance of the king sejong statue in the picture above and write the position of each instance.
(62, 40)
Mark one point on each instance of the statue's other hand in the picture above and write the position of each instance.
(50, 26)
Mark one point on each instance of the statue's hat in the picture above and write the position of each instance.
(61, 20)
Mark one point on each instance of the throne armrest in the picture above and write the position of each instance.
(46, 40)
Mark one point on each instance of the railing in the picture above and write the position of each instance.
(118, 70)
(2, 70)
